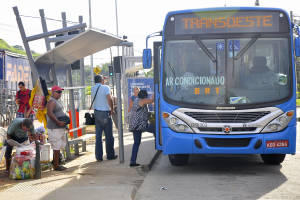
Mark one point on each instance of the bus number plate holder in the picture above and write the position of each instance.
(277, 143)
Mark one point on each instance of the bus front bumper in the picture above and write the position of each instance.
(283, 142)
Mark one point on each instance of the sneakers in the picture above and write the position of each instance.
(60, 168)
(113, 158)
(134, 164)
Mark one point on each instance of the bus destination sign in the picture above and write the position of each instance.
(226, 22)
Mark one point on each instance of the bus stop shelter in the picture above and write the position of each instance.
(56, 61)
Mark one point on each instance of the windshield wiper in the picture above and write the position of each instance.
(247, 46)
(206, 51)
(172, 69)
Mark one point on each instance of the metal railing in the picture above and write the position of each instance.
(8, 106)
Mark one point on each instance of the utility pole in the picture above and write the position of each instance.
(117, 23)
(256, 2)
(91, 57)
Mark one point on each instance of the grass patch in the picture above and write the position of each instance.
(298, 102)
(5, 46)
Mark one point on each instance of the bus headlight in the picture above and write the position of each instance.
(176, 124)
(279, 123)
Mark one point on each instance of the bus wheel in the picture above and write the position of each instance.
(178, 159)
(272, 159)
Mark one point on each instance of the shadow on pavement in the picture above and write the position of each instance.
(87, 179)
(223, 177)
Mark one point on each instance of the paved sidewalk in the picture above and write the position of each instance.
(85, 178)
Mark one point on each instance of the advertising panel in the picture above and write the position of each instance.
(143, 84)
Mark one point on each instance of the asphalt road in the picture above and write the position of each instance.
(222, 177)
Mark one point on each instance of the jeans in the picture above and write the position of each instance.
(137, 136)
(104, 123)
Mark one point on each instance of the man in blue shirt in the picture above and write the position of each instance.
(103, 106)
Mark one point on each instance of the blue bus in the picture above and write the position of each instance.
(225, 83)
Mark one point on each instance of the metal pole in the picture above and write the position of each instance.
(34, 72)
(48, 47)
(90, 14)
(117, 23)
(257, 3)
(45, 29)
(82, 74)
(38, 172)
(91, 57)
(112, 77)
(55, 32)
(119, 112)
(71, 92)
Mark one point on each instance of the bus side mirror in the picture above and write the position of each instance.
(297, 46)
(147, 58)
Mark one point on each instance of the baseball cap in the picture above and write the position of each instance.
(57, 88)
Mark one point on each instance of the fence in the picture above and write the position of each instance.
(79, 96)
(8, 106)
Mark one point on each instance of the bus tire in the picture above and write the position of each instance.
(272, 159)
(178, 159)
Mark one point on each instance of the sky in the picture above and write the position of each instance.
(136, 18)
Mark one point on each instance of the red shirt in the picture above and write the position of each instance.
(23, 97)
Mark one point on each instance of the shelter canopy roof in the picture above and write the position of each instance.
(84, 44)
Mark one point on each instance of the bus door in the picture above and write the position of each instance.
(157, 47)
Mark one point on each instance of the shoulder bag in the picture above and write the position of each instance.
(90, 117)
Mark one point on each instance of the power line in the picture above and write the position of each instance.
(51, 19)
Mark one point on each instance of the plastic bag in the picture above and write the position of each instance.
(2, 147)
(14, 143)
(30, 149)
(23, 163)
(22, 167)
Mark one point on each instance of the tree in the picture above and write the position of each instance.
(149, 74)
(105, 69)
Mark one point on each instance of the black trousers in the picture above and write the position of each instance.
(10, 148)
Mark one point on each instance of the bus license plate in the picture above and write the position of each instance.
(277, 143)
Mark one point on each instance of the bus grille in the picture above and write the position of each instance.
(227, 142)
(233, 129)
(218, 117)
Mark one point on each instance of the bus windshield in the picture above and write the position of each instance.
(228, 71)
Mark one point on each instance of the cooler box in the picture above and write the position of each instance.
(45, 153)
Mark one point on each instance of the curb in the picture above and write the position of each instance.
(153, 160)
(145, 168)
